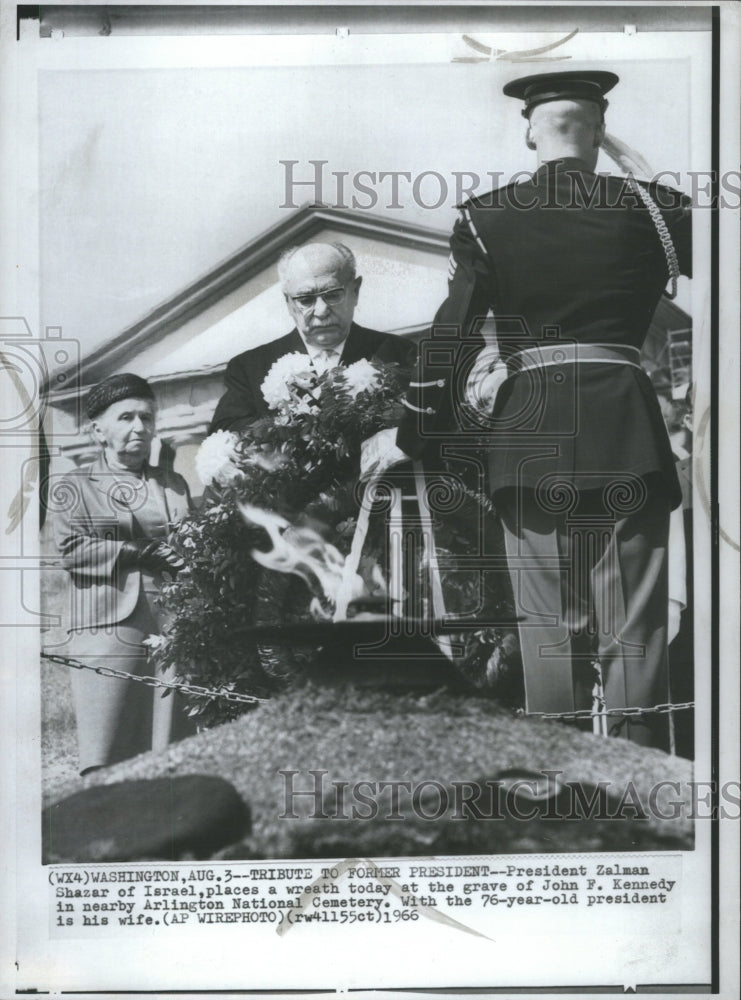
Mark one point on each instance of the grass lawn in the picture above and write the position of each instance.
(58, 739)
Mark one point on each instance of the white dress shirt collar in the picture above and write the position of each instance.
(315, 352)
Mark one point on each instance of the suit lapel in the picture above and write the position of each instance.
(355, 347)
(296, 342)
(360, 343)
(112, 496)
(176, 503)
(291, 343)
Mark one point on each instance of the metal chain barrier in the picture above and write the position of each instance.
(587, 713)
(196, 690)
(199, 691)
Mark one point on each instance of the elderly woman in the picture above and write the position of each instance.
(112, 522)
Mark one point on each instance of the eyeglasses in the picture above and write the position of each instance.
(330, 297)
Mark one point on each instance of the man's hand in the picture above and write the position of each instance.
(379, 453)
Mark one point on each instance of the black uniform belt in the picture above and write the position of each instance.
(558, 354)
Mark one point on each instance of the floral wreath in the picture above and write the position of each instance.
(300, 462)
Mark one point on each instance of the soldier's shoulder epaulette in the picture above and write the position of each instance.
(668, 197)
(493, 199)
(615, 180)
(663, 195)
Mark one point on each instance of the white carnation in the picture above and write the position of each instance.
(154, 642)
(360, 377)
(216, 460)
(269, 461)
(304, 407)
(292, 371)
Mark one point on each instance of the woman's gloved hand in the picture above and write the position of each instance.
(155, 556)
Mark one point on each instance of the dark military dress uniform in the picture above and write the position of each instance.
(572, 266)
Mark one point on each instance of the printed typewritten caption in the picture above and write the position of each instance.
(97, 899)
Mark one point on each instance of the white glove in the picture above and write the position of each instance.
(675, 615)
(629, 160)
(487, 375)
(379, 453)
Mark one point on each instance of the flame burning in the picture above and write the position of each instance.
(303, 552)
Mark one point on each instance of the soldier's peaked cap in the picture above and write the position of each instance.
(584, 85)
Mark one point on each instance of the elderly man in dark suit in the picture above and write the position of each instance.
(321, 289)
(572, 265)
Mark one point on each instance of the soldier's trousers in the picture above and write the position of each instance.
(592, 582)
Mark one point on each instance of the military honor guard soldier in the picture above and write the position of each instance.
(572, 265)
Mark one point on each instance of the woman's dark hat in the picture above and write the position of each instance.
(583, 85)
(114, 388)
